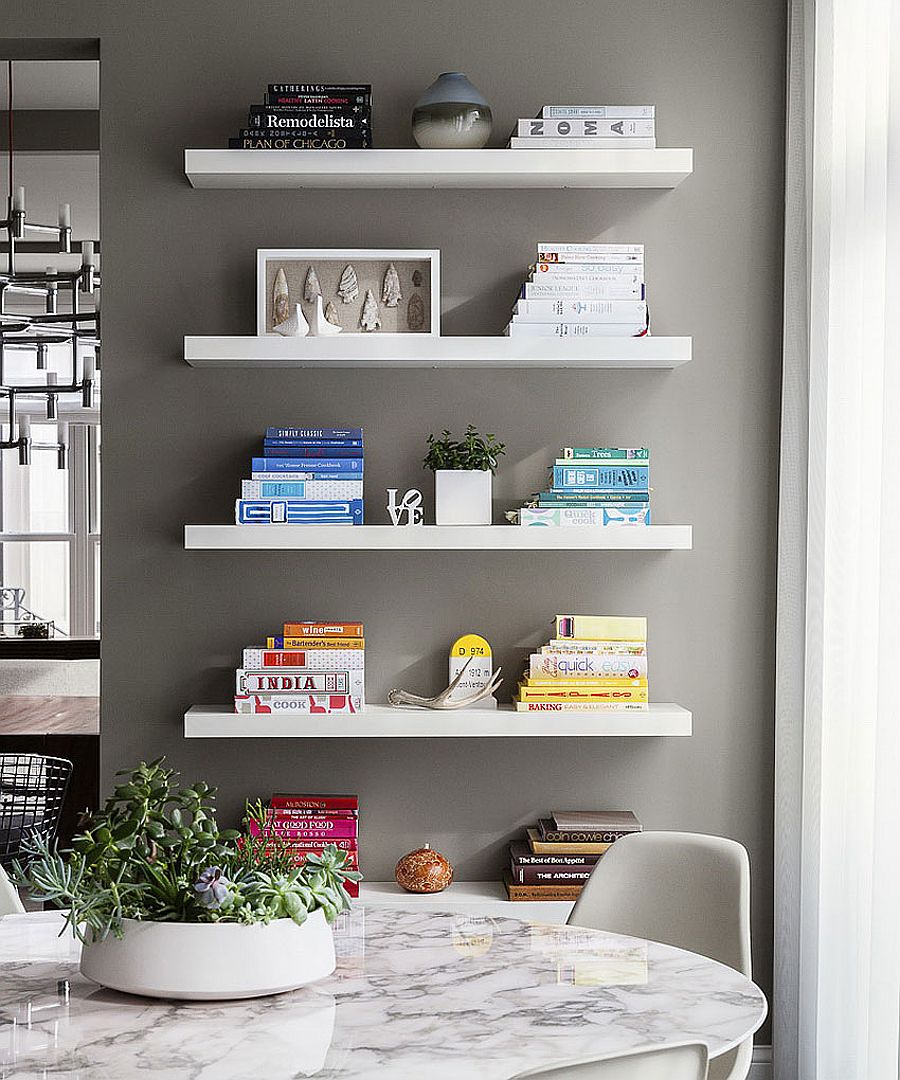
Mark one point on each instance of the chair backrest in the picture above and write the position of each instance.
(32, 790)
(688, 1061)
(682, 889)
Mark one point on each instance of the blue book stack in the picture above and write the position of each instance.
(305, 476)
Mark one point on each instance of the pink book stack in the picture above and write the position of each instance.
(309, 822)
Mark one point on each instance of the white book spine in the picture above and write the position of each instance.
(620, 289)
(563, 329)
(299, 681)
(303, 704)
(576, 290)
(284, 476)
(310, 659)
(590, 258)
(312, 489)
(550, 271)
(581, 311)
(599, 112)
(611, 129)
(620, 142)
(591, 249)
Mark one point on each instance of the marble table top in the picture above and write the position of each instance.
(416, 994)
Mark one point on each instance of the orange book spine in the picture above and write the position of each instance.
(321, 629)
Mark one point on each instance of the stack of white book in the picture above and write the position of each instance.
(588, 127)
(583, 290)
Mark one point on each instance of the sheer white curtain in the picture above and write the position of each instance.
(837, 977)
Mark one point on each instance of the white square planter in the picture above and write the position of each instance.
(462, 497)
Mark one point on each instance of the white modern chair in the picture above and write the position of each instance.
(10, 904)
(687, 1061)
(681, 889)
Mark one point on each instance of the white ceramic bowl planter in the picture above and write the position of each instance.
(212, 961)
(463, 496)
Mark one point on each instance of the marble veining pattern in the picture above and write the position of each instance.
(417, 994)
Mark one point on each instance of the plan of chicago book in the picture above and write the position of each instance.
(565, 128)
(352, 467)
(301, 142)
(621, 820)
(599, 112)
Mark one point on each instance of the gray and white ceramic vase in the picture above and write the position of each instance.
(451, 115)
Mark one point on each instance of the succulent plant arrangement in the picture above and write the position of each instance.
(473, 452)
(155, 852)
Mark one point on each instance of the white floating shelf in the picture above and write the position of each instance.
(384, 169)
(336, 539)
(383, 722)
(423, 351)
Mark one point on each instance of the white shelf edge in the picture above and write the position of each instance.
(469, 897)
(664, 167)
(383, 722)
(338, 539)
(412, 351)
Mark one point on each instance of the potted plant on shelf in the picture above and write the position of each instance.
(166, 904)
(463, 470)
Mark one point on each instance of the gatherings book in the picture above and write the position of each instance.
(557, 856)
(310, 668)
(593, 663)
(309, 116)
(592, 485)
(306, 823)
(583, 290)
(305, 476)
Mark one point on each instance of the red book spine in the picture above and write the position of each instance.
(314, 802)
(316, 846)
(338, 830)
(283, 814)
(317, 826)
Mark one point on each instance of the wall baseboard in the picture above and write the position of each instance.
(761, 1069)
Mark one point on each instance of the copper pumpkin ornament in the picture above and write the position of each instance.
(423, 871)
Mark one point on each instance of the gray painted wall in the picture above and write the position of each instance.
(177, 441)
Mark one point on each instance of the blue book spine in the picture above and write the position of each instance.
(316, 434)
(313, 451)
(298, 512)
(340, 467)
(601, 477)
(318, 444)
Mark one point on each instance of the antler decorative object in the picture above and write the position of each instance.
(399, 698)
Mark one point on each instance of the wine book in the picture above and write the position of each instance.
(618, 648)
(557, 666)
(599, 112)
(580, 329)
(634, 476)
(566, 695)
(579, 706)
(623, 821)
(299, 681)
(540, 892)
(539, 846)
(313, 643)
(314, 490)
(299, 704)
(541, 127)
(581, 310)
(550, 834)
(599, 517)
(352, 467)
(601, 627)
(551, 875)
(521, 854)
(322, 629)
(298, 511)
(287, 801)
(605, 453)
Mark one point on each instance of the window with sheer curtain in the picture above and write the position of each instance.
(50, 535)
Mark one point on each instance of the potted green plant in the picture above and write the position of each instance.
(167, 904)
(463, 470)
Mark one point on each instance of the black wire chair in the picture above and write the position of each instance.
(32, 791)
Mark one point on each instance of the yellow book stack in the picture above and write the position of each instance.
(594, 662)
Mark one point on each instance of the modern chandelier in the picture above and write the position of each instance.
(60, 325)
